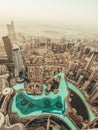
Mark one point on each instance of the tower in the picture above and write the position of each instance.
(8, 47)
(91, 60)
(18, 61)
(11, 31)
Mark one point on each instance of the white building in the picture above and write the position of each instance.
(17, 59)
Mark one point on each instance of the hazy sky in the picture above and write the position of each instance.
(72, 12)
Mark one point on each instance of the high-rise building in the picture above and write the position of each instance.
(8, 47)
(11, 31)
(18, 61)
(94, 95)
(49, 44)
(91, 60)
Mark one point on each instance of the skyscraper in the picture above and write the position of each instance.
(18, 61)
(11, 31)
(8, 47)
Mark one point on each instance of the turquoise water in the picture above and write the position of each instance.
(39, 99)
(54, 128)
(28, 105)
(61, 94)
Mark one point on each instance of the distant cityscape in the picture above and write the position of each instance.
(48, 82)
